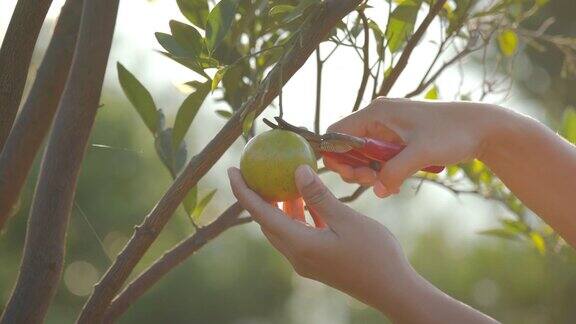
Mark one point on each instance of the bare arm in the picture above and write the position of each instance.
(354, 254)
(534, 162)
(538, 166)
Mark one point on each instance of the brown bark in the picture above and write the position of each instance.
(36, 116)
(15, 55)
(304, 44)
(45, 239)
(407, 52)
(171, 259)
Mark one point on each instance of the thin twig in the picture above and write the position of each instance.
(410, 45)
(425, 84)
(35, 118)
(44, 249)
(355, 195)
(366, 61)
(15, 55)
(319, 65)
(314, 31)
(172, 258)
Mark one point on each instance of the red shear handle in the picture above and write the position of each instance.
(384, 151)
(372, 153)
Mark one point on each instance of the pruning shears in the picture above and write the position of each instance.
(348, 149)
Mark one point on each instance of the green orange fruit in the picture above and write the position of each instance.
(269, 161)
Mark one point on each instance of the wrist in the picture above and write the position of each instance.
(403, 295)
(501, 130)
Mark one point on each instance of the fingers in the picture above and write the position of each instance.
(398, 169)
(352, 124)
(361, 175)
(272, 219)
(320, 201)
(318, 221)
(294, 209)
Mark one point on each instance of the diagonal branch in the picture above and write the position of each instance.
(173, 258)
(36, 116)
(15, 55)
(319, 65)
(46, 236)
(311, 34)
(365, 60)
(426, 83)
(410, 45)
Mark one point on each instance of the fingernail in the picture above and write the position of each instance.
(229, 171)
(380, 190)
(304, 175)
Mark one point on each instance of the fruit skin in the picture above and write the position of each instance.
(269, 161)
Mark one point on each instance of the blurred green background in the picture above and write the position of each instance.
(239, 278)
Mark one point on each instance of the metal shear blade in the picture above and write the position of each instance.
(330, 142)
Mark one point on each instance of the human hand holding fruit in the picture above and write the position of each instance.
(346, 250)
(353, 253)
(268, 163)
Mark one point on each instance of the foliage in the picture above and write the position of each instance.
(244, 38)
(230, 46)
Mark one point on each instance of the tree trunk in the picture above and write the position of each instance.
(36, 116)
(15, 56)
(45, 239)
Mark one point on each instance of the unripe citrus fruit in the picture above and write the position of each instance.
(269, 161)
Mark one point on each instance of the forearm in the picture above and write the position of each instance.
(537, 165)
(421, 302)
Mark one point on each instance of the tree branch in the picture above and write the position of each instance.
(15, 56)
(45, 239)
(319, 65)
(311, 34)
(410, 45)
(365, 60)
(36, 116)
(426, 83)
(355, 195)
(173, 258)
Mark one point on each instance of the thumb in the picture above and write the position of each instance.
(318, 198)
(401, 167)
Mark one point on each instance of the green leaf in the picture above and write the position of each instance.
(173, 159)
(224, 113)
(432, 94)
(192, 64)
(247, 123)
(196, 11)
(188, 111)
(187, 37)
(202, 205)
(541, 3)
(190, 200)
(514, 226)
(169, 43)
(218, 77)
(280, 9)
(508, 42)
(139, 97)
(452, 170)
(500, 233)
(538, 242)
(219, 21)
(401, 24)
(569, 125)
(379, 36)
(299, 10)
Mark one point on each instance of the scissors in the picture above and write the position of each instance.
(348, 149)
